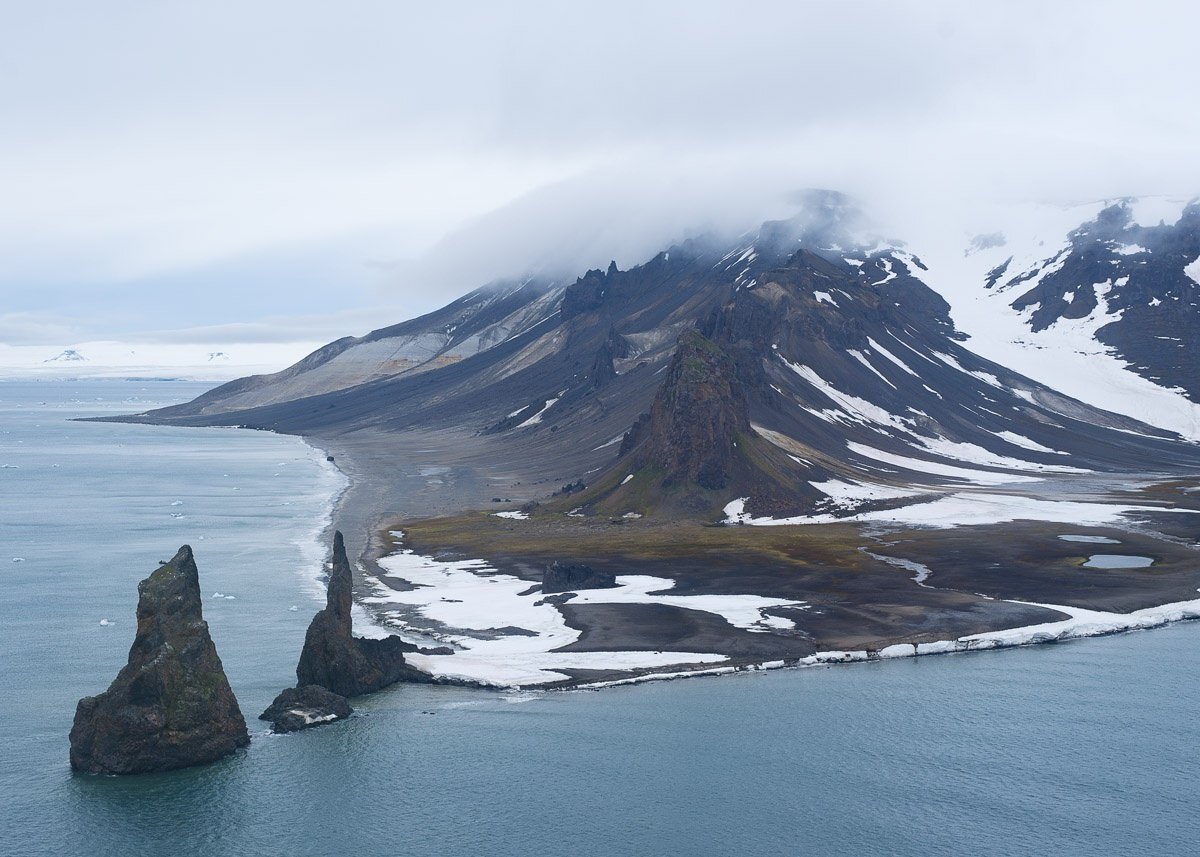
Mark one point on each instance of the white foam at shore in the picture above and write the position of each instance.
(314, 545)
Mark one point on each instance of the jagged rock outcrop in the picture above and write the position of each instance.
(305, 707)
(333, 658)
(603, 369)
(561, 577)
(697, 415)
(171, 706)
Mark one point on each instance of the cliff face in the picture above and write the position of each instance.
(333, 658)
(171, 705)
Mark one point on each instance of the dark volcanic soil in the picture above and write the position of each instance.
(858, 600)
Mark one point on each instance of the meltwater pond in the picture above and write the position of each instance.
(1117, 560)
(1033, 751)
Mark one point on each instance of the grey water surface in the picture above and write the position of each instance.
(1087, 747)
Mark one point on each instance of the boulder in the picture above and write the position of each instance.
(171, 706)
(560, 577)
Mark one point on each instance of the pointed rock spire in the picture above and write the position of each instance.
(171, 706)
(333, 658)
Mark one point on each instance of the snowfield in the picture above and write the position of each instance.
(959, 509)
(1066, 356)
(506, 636)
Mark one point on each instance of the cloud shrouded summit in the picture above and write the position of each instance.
(176, 166)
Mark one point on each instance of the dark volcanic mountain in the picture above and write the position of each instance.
(831, 370)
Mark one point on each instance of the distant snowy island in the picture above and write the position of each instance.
(117, 359)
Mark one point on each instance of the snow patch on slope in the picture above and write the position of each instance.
(1065, 357)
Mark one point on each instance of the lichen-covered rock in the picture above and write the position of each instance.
(305, 707)
(561, 577)
(333, 658)
(171, 706)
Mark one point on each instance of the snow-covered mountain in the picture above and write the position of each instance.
(1099, 301)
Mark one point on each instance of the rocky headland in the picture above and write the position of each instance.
(171, 706)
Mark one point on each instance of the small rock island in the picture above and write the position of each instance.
(304, 707)
(171, 706)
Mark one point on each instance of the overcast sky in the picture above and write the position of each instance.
(304, 170)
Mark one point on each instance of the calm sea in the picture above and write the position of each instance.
(1083, 748)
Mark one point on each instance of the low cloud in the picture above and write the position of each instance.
(144, 177)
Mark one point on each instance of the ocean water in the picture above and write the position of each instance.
(1084, 748)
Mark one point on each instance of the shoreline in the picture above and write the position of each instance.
(369, 502)
(1077, 623)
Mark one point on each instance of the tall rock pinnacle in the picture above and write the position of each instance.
(171, 705)
(333, 658)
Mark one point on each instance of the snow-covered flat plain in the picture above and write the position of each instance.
(505, 634)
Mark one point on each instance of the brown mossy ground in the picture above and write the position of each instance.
(855, 599)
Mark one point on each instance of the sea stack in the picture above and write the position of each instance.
(171, 706)
(333, 658)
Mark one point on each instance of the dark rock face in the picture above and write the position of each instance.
(562, 578)
(305, 707)
(697, 415)
(614, 346)
(171, 705)
(333, 658)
